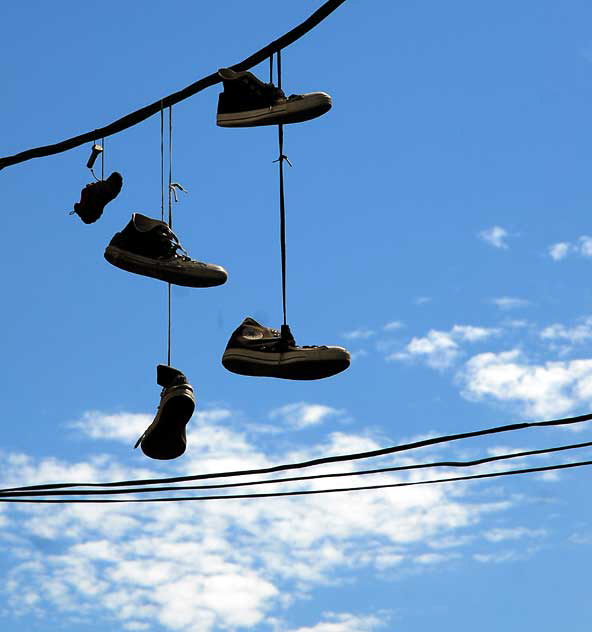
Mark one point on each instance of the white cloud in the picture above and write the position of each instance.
(301, 415)
(340, 622)
(495, 236)
(174, 565)
(393, 325)
(585, 246)
(546, 390)
(502, 556)
(559, 250)
(359, 334)
(509, 302)
(576, 334)
(440, 349)
(513, 533)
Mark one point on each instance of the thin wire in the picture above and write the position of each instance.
(161, 162)
(307, 492)
(399, 468)
(329, 459)
(282, 202)
(169, 298)
(170, 166)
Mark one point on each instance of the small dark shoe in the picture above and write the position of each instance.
(248, 102)
(95, 196)
(261, 351)
(149, 247)
(165, 438)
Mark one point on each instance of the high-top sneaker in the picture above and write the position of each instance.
(95, 196)
(165, 437)
(247, 102)
(261, 351)
(149, 247)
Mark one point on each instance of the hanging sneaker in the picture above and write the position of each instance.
(261, 351)
(165, 437)
(247, 102)
(95, 196)
(149, 247)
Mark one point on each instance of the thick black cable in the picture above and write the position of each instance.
(307, 492)
(398, 468)
(129, 120)
(330, 459)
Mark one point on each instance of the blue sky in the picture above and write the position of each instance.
(438, 227)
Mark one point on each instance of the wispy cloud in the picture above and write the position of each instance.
(513, 533)
(359, 334)
(393, 325)
(344, 622)
(559, 250)
(509, 302)
(575, 334)
(581, 246)
(540, 390)
(440, 349)
(302, 415)
(495, 236)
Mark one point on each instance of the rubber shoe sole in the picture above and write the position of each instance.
(308, 107)
(300, 364)
(178, 272)
(165, 438)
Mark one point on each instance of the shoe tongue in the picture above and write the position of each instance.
(168, 375)
(252, 330)
(251, 321)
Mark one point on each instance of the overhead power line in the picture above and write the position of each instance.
(129, 120)
(320, 461)
(24, 492)
(307, 492)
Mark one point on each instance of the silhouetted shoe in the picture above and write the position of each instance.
(95, 196)
(261, 351)
(165, 437)
(247, 102)
(149, 247)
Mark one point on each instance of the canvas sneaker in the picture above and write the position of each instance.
(165, 438)
(149, 247)
(261, 351)
(247, 101)
(95, 196)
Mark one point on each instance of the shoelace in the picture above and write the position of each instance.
(175, 244)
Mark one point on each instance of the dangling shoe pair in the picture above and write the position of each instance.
(252, 350)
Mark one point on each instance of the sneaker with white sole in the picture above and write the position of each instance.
(261, 351)
(247, 102)
(95, 196)
(149, 247)
(165, 438)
